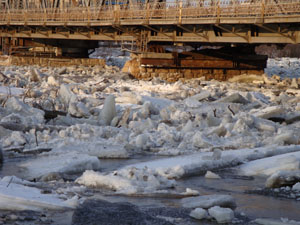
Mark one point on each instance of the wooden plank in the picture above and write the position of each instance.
(152, 55)
(158, 62)
(199, 63)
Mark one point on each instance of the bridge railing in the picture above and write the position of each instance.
(145, 12)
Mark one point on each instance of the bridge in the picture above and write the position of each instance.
(214, 21)
(80, 24)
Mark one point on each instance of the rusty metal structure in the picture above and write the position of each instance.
(66, 27)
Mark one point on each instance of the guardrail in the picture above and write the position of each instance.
(145, 12)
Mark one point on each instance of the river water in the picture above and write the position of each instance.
(252, 205)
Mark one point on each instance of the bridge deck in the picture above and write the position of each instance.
(276, 21)
(284, 11)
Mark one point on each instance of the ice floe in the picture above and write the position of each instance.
(208, 201)
(15, 196)
(127, 181)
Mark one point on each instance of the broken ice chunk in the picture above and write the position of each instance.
(71, 162)
(208, 201)
(78, 109)
(199, 214)
(211, 175)
(283, 178)
(127, 181)
(52, 81)
(213, 121)
(109, 110)
(222, 215)
(296, 187)
(20, 197)
(200, 141)
(270, 165)
(32, 115)
(268, 112)
(234, 98)
(66, 94)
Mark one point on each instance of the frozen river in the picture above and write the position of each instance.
(83, 145)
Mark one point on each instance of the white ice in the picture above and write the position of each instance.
(270, 165)
(14, 91)
(222, 215)
(127, 181)
(20, 197)
(177, 167)
(199, 214)
(208, 201)
(59, 163)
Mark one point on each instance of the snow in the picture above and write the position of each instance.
(222, 215)
(96, 179)
(127, 181)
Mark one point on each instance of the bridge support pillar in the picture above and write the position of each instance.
(48, 48)
(220, 63)
(5, 45)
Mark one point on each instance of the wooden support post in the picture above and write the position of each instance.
(116, 14)
(218, 11)
(262, 10)
(180, 13)
(89, 16)
(147, 12)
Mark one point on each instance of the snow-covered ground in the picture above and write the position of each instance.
(112, 55)
(284, 67)
(102, 114)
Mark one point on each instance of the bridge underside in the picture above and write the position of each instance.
(182, 33)
(234, 55)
